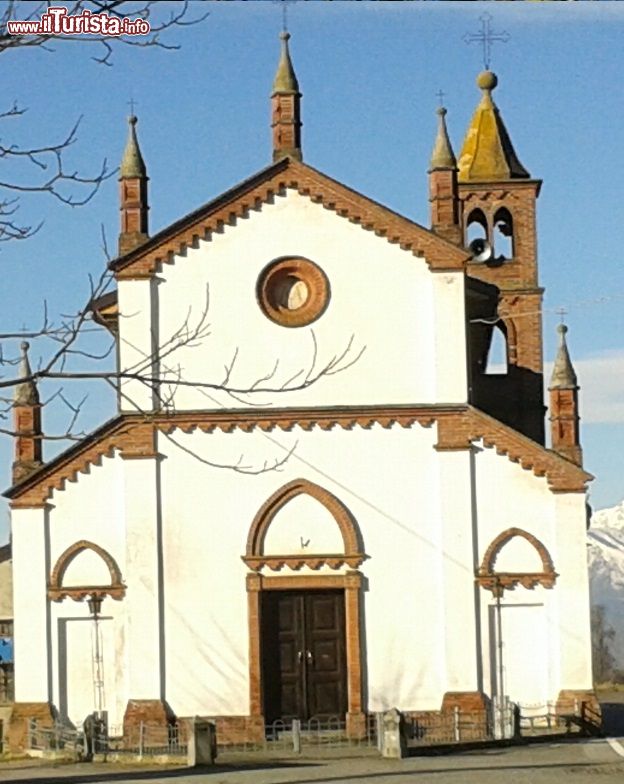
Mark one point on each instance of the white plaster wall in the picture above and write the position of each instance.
(92, 509)
(303, 526)
(30, 606)
(87, 568)
(384, 477)
(518, 555)
(508, 496)
(382, 302)
(136, 344)
(573, 592)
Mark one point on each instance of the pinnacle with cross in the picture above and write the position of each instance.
(486, 37)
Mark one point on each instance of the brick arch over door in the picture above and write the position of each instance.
(353, 550)
(497, 582)
(57, 591)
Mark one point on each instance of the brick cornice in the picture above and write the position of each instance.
(462, 429)
(261, 189)
(459, 426)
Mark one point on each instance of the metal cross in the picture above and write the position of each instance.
(441, 95)
(132, 104)
(562, 313)
(284, 4)
(486, 37)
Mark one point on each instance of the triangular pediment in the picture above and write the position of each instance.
(261, 189)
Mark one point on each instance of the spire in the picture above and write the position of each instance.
(443, 190)
(563, 375)
(26, 421)
(488, 154)
(285, 80)
(132, 163)
(442, 156)
(564, 406)
(25, 393)
(286, 107)
(133, 194)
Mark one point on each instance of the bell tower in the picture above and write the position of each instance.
(498, 203)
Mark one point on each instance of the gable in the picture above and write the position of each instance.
(378, 336)
(216, 215)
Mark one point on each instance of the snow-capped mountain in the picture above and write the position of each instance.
(606, 572)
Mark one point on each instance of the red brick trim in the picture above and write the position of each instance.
(497, 582)
(255, 557)
(273, 277)
(332, 195)
(458, 427)
(57, 591)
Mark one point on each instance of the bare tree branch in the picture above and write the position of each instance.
(43, 169)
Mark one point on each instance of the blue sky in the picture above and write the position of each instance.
(369, 73)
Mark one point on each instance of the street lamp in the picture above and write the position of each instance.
(95, 605)
(94, 602)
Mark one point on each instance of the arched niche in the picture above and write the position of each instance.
(498, 581)
(350, 553)
(58, 590)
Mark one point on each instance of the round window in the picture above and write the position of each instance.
(293, 292)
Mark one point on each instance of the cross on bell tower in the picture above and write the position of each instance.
(486, 37)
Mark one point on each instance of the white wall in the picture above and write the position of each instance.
(425, 523)
(384, 477)
(382, 299)
(509, 496)
(92, 509)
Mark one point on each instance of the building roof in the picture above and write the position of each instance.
(487, 154)
(563, 375)
(442, 156)
(132, 163)
(25, 392)
(285, 80)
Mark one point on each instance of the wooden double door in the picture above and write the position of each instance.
(304, 669)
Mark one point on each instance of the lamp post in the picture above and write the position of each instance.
(501, 668)
(94, 603)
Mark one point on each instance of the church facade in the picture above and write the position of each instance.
(316, 498)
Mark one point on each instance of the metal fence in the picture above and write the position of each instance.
(293, 737)
(456, 726)
(504, 720)
(143, 740)
(545, 719)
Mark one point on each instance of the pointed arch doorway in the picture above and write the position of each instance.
(305, 651)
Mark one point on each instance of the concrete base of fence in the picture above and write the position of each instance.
(202, 743)
(393, 740)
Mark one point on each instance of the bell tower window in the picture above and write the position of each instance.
(476, 227)
(503, 234)
(497, 363)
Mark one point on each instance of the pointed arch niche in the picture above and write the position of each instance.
(58, 590)
(301, 551)
(499, 581)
